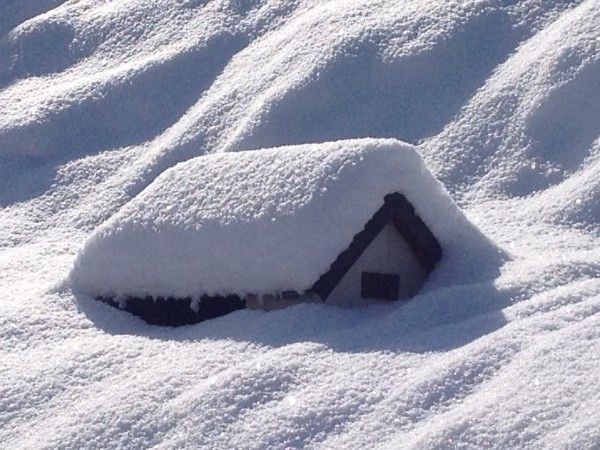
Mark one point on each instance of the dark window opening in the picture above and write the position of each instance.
(380, 286)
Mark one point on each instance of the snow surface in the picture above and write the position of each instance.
(98, 98)
(268, 221)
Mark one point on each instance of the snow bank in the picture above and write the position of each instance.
(508, 362)
(87, 77)
(534, 122)
(267, 221)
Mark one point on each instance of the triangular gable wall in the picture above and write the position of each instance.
(400, 212)
(372, 278)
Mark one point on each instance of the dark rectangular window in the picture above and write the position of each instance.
(380, 286)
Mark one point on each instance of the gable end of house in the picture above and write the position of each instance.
(397, 210)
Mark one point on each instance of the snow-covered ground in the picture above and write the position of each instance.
(502, 99)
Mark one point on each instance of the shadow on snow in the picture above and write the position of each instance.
(439, 320)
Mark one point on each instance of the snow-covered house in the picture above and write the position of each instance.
(345, 223)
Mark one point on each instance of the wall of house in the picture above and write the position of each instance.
(272, 302)
(388, 253)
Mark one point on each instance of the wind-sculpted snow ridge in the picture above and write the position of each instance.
(87, 77)
(534, 122)
(99, 98)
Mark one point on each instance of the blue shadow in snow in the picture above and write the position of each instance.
(124, 114)
(435, 321)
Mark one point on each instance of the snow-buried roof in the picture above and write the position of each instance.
(268, 220)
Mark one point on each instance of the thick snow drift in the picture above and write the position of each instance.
(267, 221)
(99, 97)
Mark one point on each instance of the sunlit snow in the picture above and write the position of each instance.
(501, 99)
(270, 220)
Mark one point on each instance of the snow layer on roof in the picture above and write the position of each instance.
(266, 221)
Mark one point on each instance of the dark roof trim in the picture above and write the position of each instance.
(177, 311)
(396, 209)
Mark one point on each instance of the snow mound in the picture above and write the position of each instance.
(99, 97)
(267, 221)
(534, 123)
(86, 77)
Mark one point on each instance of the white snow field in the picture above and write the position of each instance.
(502, 100)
